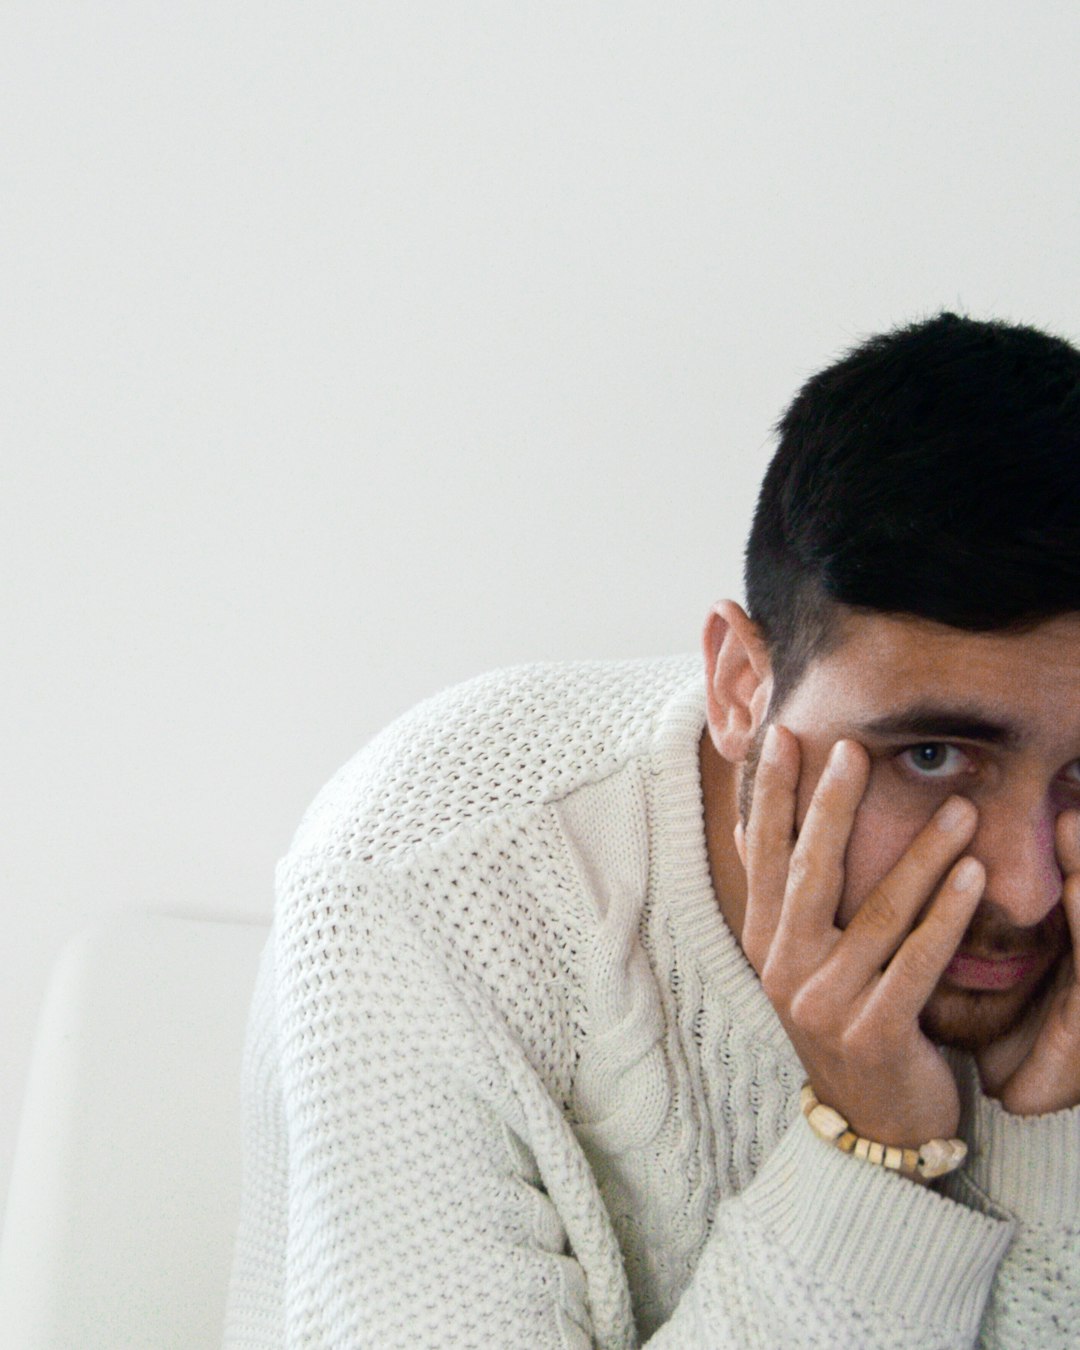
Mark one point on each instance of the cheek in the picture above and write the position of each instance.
(878, 841)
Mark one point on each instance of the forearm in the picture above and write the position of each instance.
(824, 1250)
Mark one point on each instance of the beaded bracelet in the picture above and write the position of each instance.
(934, 1159)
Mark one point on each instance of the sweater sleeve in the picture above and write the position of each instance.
(825, 1250)
(413, 1182)
(1028, 1169)
(404, 1184)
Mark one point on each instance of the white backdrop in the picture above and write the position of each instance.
(350, 349)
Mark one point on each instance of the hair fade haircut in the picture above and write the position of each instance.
(934, 471)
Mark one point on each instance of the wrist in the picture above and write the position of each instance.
(862, 1229)
(932, 1159)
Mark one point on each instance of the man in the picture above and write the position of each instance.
(553, 958)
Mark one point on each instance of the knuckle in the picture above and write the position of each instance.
(754, 834)
(810, 1012)
(821, 844)
(799, 871)
(862, 1044)
(880, 913)
(851, 1041)
(812, 874)
(770, 979)
(921, 961)
(776, 981)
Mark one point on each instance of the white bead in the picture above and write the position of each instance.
(827, 1123)
(939, 1156)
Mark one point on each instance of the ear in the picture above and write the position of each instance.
(738, 679)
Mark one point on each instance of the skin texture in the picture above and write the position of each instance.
(840, 884)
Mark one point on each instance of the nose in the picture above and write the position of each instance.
(1015, 844)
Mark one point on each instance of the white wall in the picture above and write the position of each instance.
(352, 348)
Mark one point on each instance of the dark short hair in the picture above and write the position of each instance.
(934, 471)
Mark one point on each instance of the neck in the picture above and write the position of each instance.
(719, 793)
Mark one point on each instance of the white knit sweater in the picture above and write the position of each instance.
(510, 1080)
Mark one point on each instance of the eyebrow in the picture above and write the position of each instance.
(941, 722)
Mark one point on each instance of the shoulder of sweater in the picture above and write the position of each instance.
(500, 744)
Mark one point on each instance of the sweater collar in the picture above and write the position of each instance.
(680, 866)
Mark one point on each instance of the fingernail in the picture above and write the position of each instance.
(953, 814)
(769, 746)
(966, 875)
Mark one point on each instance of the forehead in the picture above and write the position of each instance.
(883, 663)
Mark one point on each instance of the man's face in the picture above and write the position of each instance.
(994, 718)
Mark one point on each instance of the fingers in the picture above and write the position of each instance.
(795, 887)
(824, 981)
(768, 839)
(1067, 837)
(1035, 1069)
(919, 963)
(816, 873)
(886, 916)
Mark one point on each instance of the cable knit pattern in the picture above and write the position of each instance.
(510, 1081)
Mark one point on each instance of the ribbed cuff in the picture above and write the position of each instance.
(1028, 1165)
(880, 1237)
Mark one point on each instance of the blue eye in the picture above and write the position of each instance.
(933, 759)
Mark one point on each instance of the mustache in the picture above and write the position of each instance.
(991, 934)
